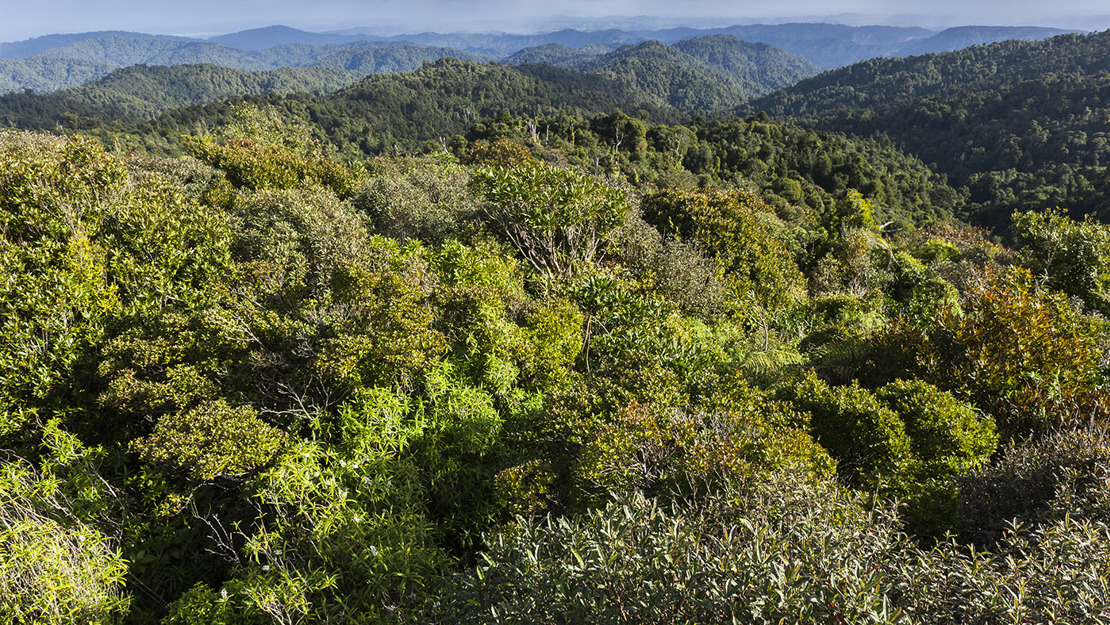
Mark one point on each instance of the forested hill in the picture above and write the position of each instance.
(704, 76)
(438, 100)
(140, 92)
(1022, 123)
(46, 73)
(560, 55)
(666, 76)
(82, 60)
(402, 111)
(722, 67)
(123, 50)
(751, 68)
(58, 61)
(826, 45)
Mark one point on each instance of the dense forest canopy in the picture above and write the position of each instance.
(486, 343)
(1022, 124)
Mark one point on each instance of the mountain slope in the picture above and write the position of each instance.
(140, 92)
(270, 36)
(559, 55)
(1023, 124)
(46, 43)
(665, 76)
(44, 73)
(88, 58)
(952, 39)
(376, 57)
(753, 69)
(404, 111)
(143, 91)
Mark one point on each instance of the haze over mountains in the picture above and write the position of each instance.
(57, 61)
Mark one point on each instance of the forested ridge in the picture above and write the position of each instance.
(141, 91)
(1022, 124)
(705, 76)
(54, 62)
(79, 61)
(486, 343)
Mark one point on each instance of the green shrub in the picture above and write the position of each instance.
(212, 440)
(867, 439)
(670, 450)
(422, 198)
(1057, 573)
(735, 229)
(777, 549)
(261, 150)
(558, 219)
(948, 436)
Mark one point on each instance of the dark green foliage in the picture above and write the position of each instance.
(867, 439)
(558, 55)
(1022, 124)
(1038, 482)
(141, 91)
(752, 69)
(709, 74)
(744, 69)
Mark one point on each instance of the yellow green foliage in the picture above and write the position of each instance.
(260, 150)
(211, 440)
(556, 217)
(382, 332)
(648, 449)
(55, 289)
(56, 566)
(1073, 256)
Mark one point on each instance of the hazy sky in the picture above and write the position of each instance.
(22, 19)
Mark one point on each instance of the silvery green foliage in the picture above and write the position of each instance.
(1058, 573)
(779, 550)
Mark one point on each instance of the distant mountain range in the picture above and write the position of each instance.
(78, 60)
(58, 61)
(700, 75)
(825, 45)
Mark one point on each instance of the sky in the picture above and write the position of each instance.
(23, 19)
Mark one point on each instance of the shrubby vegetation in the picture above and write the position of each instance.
(558, 368)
